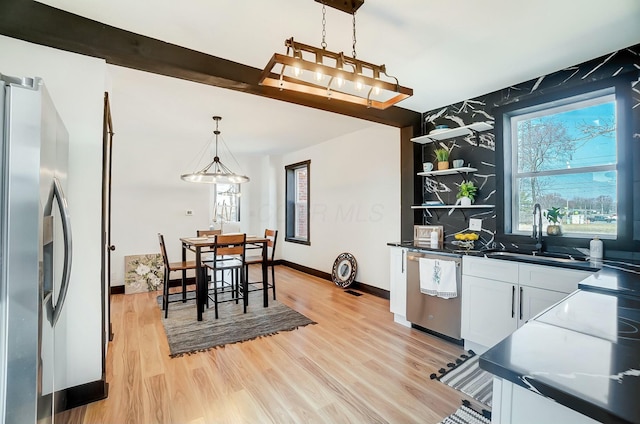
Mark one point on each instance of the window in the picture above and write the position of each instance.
(565, 154)
(226, 204)
(297, 198)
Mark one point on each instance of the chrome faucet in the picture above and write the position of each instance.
(537, 228)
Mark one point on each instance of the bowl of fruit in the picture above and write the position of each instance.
(465, 240)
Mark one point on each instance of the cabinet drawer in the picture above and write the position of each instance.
(494, 269)
(551, 278)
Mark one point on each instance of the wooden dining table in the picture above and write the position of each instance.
(200, 245)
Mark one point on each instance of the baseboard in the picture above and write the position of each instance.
(176, 282)
(116, 289)
(356, 285)
(84, 393)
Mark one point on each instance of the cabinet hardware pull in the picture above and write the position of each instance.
(513, 301)
(402, 262)
(520, 303)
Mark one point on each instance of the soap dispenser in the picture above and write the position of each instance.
(595, 249)
(434, 239)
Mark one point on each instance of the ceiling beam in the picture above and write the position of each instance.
(42, 24)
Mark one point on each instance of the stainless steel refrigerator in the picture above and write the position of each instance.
(35, 250)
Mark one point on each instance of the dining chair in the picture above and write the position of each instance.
(207, 257)
(208, 233)
(168, 268)
(272, 237)
(229, 255)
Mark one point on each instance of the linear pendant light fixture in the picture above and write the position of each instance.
(215, 172)
(320, 72)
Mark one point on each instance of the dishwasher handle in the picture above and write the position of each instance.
(456, 259)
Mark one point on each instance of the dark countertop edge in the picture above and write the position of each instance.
(575, 403)
(581, 266)
(608, 291)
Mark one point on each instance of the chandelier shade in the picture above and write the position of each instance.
(215, 172)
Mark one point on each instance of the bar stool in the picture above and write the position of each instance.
(229, 255)
(272, 236)
(168, 268)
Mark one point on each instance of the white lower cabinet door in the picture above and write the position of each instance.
(513, 404)
(398, 284)
(489, 310)
(532, 301)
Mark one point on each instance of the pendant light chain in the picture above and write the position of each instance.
(217, 132)
(354, 33)
(324, 25)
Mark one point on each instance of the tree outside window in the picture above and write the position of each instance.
(564, 155)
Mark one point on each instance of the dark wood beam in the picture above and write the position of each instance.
(41, 24)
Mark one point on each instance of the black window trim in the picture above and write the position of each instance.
(624, 133)
(289, 209)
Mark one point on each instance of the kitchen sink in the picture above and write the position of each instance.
(547, 258)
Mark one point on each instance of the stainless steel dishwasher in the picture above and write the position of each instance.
(433, 313)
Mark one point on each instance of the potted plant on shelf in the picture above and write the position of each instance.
(554, 216)
(466, 193)
(442, 156)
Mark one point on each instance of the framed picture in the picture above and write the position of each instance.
(143, 273)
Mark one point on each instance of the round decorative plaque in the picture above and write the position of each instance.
(344, 270)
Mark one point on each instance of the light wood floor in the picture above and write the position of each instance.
(354, 366)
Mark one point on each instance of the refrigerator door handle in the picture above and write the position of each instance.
(57, 193)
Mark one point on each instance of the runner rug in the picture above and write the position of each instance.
(466, 376)
(186, 335)
(466, 415)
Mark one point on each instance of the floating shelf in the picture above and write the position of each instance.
(453, 132)
(450, 171)
(453, 207)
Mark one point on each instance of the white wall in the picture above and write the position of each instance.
(77, 84)
(355, 202)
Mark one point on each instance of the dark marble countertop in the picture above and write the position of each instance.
(581, 263)
(584, 352)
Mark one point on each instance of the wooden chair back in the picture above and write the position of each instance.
(204, 233)
(230, 244)
(272, 235)
(163, 251)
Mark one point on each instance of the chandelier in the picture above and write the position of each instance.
(215, 172)
(320, 72)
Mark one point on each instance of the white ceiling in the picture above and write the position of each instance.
(447, 51)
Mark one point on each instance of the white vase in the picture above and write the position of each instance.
(465, 201)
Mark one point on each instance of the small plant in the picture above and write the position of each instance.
(467, 189)
(442, 155)
(553, 215)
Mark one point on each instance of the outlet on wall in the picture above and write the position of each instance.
(188, 212)
(475, 224)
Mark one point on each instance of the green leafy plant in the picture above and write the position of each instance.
(467, 189)
(442, 155)
(553, 215)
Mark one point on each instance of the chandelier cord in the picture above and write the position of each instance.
(231, 154)
(354, 33)
(324, 26)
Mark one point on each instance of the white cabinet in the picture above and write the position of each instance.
(487, 310)
(513, 404)
(551, 278)
(499, 296)
(532, 301)
(398, 285)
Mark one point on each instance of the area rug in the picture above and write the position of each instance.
(466, 415)
(466, 376)
(186, 335)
